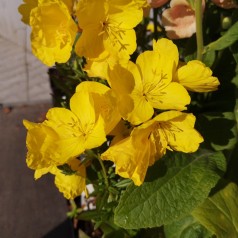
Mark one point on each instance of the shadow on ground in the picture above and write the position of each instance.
(29, 208)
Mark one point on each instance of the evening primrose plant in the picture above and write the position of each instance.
(148, 122)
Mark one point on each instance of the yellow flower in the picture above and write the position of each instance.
(146, 85)
(40, 142)
(65, 134)
(28, 5)
(148, 142)
(132, 156)
(71, 185)
(53, 32)
(105, 103)
(107, 28)
(194, 75)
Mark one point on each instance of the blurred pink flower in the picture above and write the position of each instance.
(157, 3)
(227, 4)
(179, 20)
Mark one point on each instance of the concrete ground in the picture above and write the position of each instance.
(29, 209)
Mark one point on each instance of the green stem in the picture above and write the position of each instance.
(104, 172)
(199, 33)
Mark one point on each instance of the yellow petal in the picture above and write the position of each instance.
(122, 79)
(82, 105)
(179, 130)
(53, 32)
(90, 43)
(157, 138)
(71, 133)
(105, 102)
(125, 13)
(40, 172)
(97, 68)
(133, 155)
(86, 9)
(196, 77)
(131, 161)
(69, 4)
(71, 185)
(40, 142)
(25, 10)
(91, 125)
(109, 30)
(168, 48)
(155, 68)
(70, 148)
(121, 42)
(60, 120)
(174, 96)
(97, 135)
(122, 83)
(142, 110)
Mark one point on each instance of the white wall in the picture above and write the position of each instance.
(23, 78)
(11, 27)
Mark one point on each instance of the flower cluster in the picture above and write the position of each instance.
(140, 105)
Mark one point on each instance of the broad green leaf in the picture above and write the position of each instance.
(224, 41)
(115, 234)
(110, 230)
(219, 213)
(231, 172)
(234, 50)
(208, 58)
(187, 227)
(93, 215)
(225, 137)
(185, 181)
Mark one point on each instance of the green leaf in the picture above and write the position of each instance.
(225, 137)
(231, 172)
(66, 169)
(92, 215)
(186, 181)
(187, 227)
(234, 50)
(219, 213)
(115, 234)
(209, 58)
(224, 41)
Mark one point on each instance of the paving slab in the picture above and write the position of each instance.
(29, 208)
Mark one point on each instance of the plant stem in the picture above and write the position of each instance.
(199, 33)
(104, 172)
